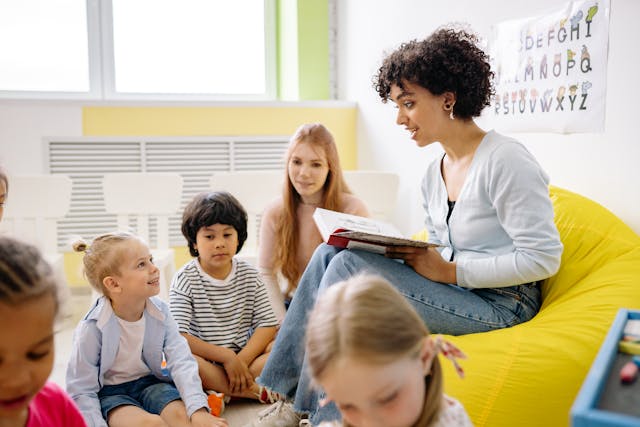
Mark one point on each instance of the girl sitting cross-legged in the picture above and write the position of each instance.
(116, 372)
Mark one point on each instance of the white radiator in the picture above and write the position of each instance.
(86, 160)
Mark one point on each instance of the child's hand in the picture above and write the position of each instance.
(240, 379)
(202, 418)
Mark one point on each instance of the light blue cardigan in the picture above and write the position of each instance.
(501, 231)
(95, 344)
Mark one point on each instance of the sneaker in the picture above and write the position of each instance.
(268, 396)
(280, 414)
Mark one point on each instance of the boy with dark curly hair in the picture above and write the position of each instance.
(219, 302)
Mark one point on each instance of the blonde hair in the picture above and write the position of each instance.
(103, 257)
(287, 227)
(24, 273)
(366, 318)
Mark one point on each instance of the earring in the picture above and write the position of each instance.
(449, 108)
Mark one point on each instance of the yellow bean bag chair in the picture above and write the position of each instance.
(530, 374)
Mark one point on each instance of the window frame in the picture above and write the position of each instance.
(102, 65)
(94, 58)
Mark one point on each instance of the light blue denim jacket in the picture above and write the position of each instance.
(95, 344)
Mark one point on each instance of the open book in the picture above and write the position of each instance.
(357, 232)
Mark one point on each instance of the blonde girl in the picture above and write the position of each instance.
(29, 305)
(117, 373)
(288, 235)
(373, 356)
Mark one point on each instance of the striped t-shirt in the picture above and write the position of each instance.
(221, 312)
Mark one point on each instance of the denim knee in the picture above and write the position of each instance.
(348, 263)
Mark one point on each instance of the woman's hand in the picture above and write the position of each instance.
(240, 379)
(427, 262)
(202, 418)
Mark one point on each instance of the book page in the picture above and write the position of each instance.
(365, 225)
(329, 221)
(355, 232)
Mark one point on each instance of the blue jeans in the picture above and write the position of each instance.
(446, 309)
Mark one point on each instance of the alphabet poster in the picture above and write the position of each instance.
(551, 70)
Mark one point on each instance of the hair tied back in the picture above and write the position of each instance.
(78, 244)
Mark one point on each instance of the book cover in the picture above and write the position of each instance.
(357, 232)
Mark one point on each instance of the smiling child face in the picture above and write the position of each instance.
(138, 276)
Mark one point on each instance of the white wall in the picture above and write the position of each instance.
(604, 167)
(24, 124)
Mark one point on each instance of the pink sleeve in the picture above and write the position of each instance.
(267, 238)
(73, 417)
(266, 249)
(354, 206)
(52, 407)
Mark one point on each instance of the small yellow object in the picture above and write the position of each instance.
(629, 347)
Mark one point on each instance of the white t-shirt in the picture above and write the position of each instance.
(128, 364)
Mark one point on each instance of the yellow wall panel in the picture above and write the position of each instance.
(73, 269)
(218, 121)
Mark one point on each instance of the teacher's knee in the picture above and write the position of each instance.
(344, 265)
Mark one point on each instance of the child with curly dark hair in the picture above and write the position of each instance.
(486, 203)
(219, 302)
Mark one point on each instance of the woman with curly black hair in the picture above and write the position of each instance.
(487, 205)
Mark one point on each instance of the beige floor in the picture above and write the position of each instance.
(237, 414)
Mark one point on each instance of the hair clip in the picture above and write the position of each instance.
(451, 352)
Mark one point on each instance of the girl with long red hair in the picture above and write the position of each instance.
(288, 234)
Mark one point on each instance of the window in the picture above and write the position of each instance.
(189, 47)
(44, 46)
(143, 49)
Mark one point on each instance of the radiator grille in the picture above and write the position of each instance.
(86, 160)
